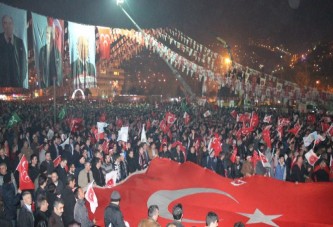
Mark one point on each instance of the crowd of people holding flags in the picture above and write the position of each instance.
(48, 170)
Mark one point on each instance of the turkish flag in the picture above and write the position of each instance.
(283, 121)
(311, 157)
(25, 183)
(295, 130)
(234, 114)
(163, 126)
(264, 160)
(254, 122)
(104, 42)
(181, 146)
(170, 118)
(266, 136)
(216, 144)
(76, 124)
(92, 198)
(234, 154)
(267, 119)
(57, 161)
(232, 203)
(311, 118)
(245, 117)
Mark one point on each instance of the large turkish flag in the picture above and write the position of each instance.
(260, 201)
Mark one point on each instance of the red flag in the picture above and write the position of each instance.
(280, 131)
(148, 125)
(266, 136)
(169, 134)
(255, 157)
(105, 146)
(181, 146)
(254, 122)
(245, 117)
(119, 123)
(246, 131)
(76, 124)
(234, 154)
(91, 198)
(25, 183)
(327, 119)
(311, 118)
(57, 161)
(216, 144)
(283, 121)
(264, 160)
(234, 114)
(104, 42)
(311, 157)
(324, 126)
(198, 195)
(295, 130)
(170, 118)
(163, 126)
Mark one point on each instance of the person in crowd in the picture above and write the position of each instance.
(98, 173)
(247, 168)
(4, 158)
(42, 183)
(236, 168)
(151, 221)
(142, 159)
(112, 213)
(107, 166)
(152, 151)
(132, 162)
(280, 168)
(11, 199)
(192, 156)
(71, 170)
(79, 166)
(298, 171)
(56, 218)
(85, 176)
(165, 153)
(42, 153)
(33, 169)
(177, 155)
(68, 196)
(212, 220)
(41, 218)
(26, 150)
(321, 172)
(80, 209)
(25, 216)
(55, 148)
(51, 196)
(61, 171)
(177, 214)
(48, 163)
(58, 183)
(3, 172)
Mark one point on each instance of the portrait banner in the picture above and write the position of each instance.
(48, 39)
(13, 47)
(82, 44)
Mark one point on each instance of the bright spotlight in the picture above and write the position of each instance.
(227, 61)
(120, 2)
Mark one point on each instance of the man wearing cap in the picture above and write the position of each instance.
(112, 213)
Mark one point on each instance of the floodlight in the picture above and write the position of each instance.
(120, 2)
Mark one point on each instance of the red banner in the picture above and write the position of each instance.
(270, 203)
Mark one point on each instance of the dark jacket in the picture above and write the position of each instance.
(55, 221)
(81, 214)
(48, 165)
(62, 174)
(68, 196)
(132, 164)
(41, 219)
(178, 157)
(236, 170)
(25, 218)
(113, 215)
(33, 172)
(297, 174)
(192, 157)
(166, 154)
(11, 201)
(98, 176)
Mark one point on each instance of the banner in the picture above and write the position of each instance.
(82, 50)
(13, 47)
(232, 203)
(48, 39)
(104, 42)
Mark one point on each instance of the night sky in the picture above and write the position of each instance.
(234, 20)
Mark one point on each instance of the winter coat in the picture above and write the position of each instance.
(113, 216)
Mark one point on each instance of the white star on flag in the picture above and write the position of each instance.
(259, 217)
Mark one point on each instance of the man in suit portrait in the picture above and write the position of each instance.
(13, 58)
(83, 71)
(50, 63)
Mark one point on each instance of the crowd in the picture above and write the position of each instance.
(58, 198)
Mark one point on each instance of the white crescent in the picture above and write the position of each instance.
(163, 198)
